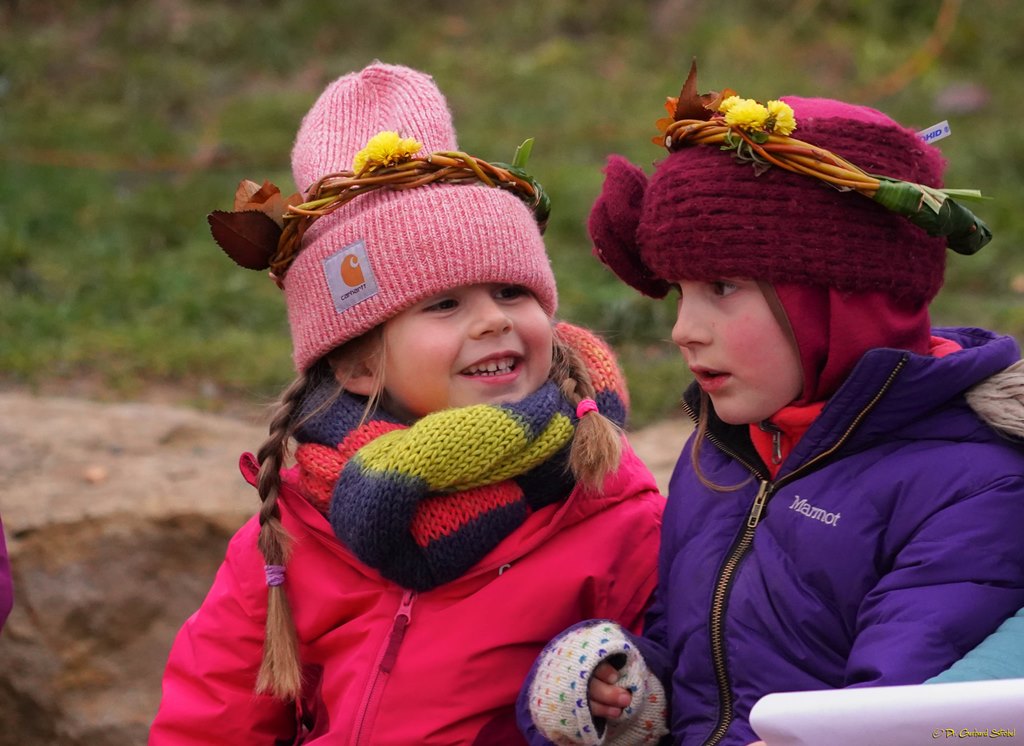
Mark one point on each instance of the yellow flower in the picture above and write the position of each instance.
(384, 149)
(728, 103)
(782, 114)
(747, 114)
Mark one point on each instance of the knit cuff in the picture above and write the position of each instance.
(558, 693)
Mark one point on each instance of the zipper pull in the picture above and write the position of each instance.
(769, 427)
(758, 506)
(402, 618)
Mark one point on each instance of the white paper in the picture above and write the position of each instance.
(972, 712)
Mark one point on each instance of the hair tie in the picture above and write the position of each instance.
(275, 574)
(586, 406)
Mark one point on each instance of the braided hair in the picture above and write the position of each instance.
(280, 672)
(597, 444)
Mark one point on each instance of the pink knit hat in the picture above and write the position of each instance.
(386, 250)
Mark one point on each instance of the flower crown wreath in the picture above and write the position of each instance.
(265, 229)
(761, 134)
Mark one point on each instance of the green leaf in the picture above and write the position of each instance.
(974, 194)
(936, 212)
(523, 153)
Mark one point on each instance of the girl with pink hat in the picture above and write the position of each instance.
(847, 512)
(460, 489)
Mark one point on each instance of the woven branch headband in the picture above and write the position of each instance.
(760, 134)
(265, 230)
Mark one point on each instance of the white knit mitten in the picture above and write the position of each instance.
(558, 693)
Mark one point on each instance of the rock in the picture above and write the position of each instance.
(117, 518)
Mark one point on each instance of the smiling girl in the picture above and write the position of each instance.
(458, 453)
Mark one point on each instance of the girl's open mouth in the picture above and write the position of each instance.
(710, 380)
(497, 367)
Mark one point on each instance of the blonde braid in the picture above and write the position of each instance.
(280, 672)
(597, 445)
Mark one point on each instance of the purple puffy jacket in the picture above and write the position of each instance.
(887, 546)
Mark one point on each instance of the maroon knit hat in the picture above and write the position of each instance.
(705, 216)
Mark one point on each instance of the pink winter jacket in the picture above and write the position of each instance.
(387, 666)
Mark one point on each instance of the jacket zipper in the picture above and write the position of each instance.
(776, 434)
(386, 656)
(740, 548)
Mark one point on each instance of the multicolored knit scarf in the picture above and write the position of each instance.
(423, 503)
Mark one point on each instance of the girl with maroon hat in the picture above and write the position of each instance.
(847, 512)
(435, 474)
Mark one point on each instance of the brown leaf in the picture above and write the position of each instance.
(713, 100)
(689, 105)
(243, 194)
(266, 198)
(249, 237)
(693, 105)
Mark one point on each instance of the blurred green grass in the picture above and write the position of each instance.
(122, 125)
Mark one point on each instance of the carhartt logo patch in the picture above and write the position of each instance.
(802, 507)
(350, 276)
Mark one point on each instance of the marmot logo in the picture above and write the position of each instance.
(351, 272)
(804, 508)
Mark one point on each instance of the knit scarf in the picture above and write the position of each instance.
(423, 503)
